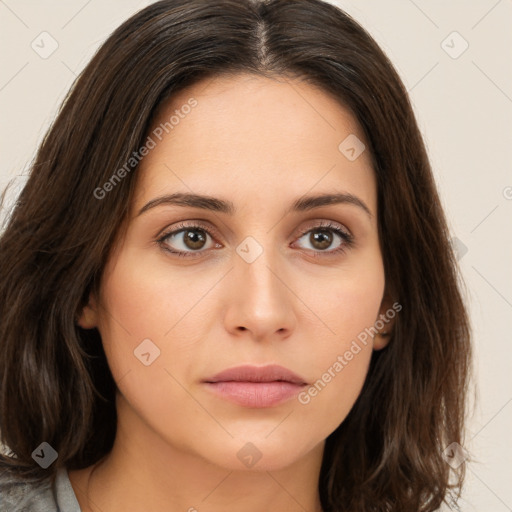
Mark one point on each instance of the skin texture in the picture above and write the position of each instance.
(260, 143)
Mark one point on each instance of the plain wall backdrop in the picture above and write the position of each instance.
(455, 59)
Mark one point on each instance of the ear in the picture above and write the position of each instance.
(385, 322)
(88, 318)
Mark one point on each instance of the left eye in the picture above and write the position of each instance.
(322, 238)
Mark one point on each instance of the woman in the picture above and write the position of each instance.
(228, 282)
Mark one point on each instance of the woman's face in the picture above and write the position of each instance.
(263, 276)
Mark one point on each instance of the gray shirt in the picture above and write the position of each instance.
(43, 497)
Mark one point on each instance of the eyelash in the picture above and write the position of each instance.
(347, 239)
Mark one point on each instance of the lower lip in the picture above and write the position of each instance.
(255, 394)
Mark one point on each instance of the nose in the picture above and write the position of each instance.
(260, 301)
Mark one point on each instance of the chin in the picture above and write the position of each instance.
(258, 453)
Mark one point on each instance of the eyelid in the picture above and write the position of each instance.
(185, 224)
(329, 224)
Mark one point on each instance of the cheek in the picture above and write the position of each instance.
(341, 360)
(133, 318)
(357, 307)
(143, 326)
(349, 302)
(150, 331)
(340, 368)
(338, 382)
(141, 301)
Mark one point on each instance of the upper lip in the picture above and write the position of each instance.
(248, 373)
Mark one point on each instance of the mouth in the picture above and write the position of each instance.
(257, 387)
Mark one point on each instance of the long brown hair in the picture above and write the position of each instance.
(55, 382)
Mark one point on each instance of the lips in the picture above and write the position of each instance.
(270, 373)
(253, 386)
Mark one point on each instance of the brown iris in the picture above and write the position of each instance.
(194, 238)
(320, 239)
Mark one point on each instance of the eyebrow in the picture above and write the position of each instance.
(303, 204)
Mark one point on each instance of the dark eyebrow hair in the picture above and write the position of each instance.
(302, 204)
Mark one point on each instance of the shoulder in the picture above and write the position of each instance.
(26, 496)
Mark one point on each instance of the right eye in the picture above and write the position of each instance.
(186, 239)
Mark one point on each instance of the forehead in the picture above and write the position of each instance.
(249, 133)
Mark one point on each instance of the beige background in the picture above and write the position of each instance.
(464, 107)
